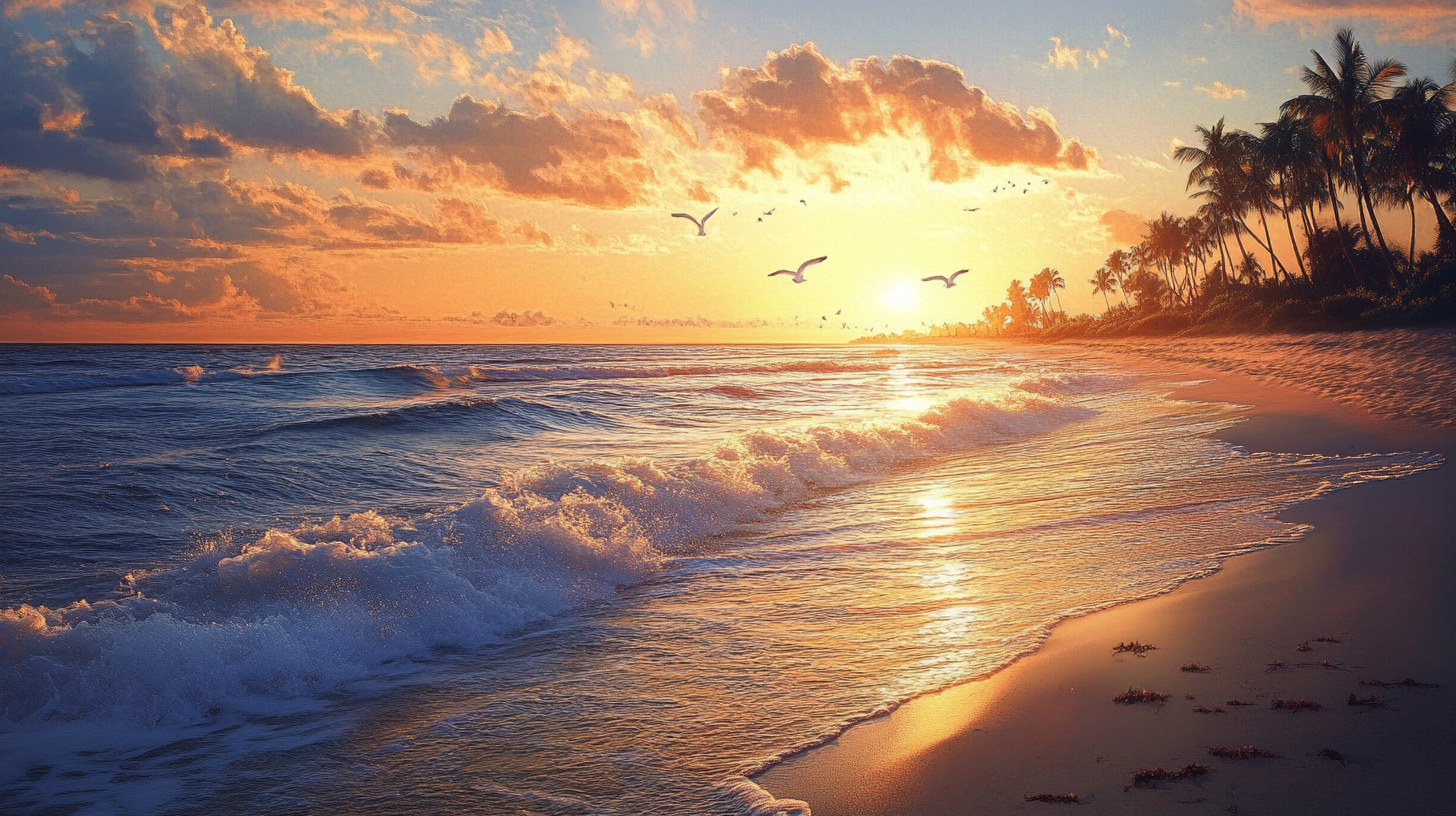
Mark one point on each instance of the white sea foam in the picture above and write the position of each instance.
(298, 612)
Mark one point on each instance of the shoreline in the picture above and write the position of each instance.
(1047, 724)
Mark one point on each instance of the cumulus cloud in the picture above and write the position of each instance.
(1065, 56)
(799, 103)
(1412, 20)
(98, 101)
(594, 159)
(522, 319)
(1123, 227)
(1221, 91)
(639, 22)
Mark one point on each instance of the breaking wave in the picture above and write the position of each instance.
(299, 612)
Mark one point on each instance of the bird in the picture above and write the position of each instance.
(805, 203)
(971, 209)
(613, 305)
(799, 275)
(701, 224)
(950, 281)
(996, 189)
(771, 212)
(823, 317)
(760, 220)
(1024, 192)
(838, 311)
(1046, 181)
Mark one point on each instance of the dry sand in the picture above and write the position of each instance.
(1378, 573)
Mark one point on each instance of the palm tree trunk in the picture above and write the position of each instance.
(1385, 255)
(1339, 227)
(1284, 199)
(1106, 303)
(1411, 258)
(1273, 259)
(1447, 231)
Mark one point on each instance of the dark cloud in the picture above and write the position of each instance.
(799, 103)
(99, 101)
(594, 159)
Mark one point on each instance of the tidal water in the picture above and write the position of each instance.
(571, 580)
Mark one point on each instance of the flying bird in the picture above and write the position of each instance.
(701, 224)
(950, 281)
(771, 212)
(799, 275)
(1046, 181)
(805, 203)
(760, 220)
(1024, 192)
(971, 209)
(840, 310)
(996, 189)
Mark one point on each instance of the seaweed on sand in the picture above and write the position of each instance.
(1332, 754)
(1135, 694)
(1135, 647)
(1243, 752)
(1195, 667)
(1055, 798)
(1406, 683)
(1367, 702)
(1294, 706)
(1146, 777)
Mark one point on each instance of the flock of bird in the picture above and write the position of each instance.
(798, 274)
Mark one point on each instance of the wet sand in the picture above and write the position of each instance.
(1378, 573)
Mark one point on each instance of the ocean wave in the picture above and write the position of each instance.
(299, 612)
(178, 375)
(422, 413)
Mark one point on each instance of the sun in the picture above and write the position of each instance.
(900, 297)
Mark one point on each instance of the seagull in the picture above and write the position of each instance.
(805, 203)
(950, 281)
(839, 311)
(1046, 181)
(799, 275)
(701, 224)
(1024, 192)
(996, 189)
(971, 209)
(613, 305)
(760, 220)
(771, 212)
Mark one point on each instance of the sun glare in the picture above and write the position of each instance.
(900, 297)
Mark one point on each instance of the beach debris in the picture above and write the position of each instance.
(1146, 777)
(1367, 702)
(1139, 649)
(1406, 683)
(1202, 710)
(1323, 664)
(1323, 639)
(1137, 694)
(1055, 798)
(1332, 754)
(1189, 697)
(1243, 752)
(1304, 647)
(1237, 702)
(1274, 666)
(1195, 667)
(1294, 706)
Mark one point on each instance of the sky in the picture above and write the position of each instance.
(451, 171)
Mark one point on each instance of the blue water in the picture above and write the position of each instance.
(562, 579)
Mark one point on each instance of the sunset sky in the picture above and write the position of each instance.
(454, 171)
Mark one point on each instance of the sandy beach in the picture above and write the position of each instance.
(1372, 579)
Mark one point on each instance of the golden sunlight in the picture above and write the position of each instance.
(900, 297)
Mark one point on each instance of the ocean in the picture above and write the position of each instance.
(590, 580)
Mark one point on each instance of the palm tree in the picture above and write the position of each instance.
(1420, 157)
(1284, 147)
(1103, 282)
(1259, 193)
(1218, 172)
(1055, 281)
(1118, 264)
(1040, 291)
(1345, 106)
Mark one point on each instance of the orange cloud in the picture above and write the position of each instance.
(594, 158)
(800, 102)
(1413, 20)
(643, 19)
(1124, 227)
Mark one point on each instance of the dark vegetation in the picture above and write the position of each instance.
(1146, 777)
(1055, 798)
(1294, 706)
(1134, 647)
(1135, 694)
(1244, 752)
(1338, 175)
